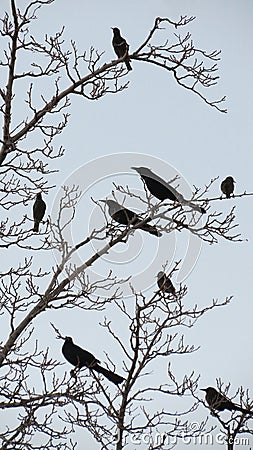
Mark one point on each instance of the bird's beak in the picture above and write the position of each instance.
(103, 201)
(112, 28)
(203, 390)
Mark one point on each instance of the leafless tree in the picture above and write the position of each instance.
(42, 405)
(234, 426)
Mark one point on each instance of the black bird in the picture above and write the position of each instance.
(160, 189)
(218, 401)
(121, 47)
(125, 216)
(165, 284)
(227, 186)
(79, 358)
(39, 208)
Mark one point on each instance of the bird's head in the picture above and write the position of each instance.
(231, 179)
(112, 205)
(209, 390)
(142, 171)
(38, 196)
(68, 339)
(160, 275)
(109, 202)
(115, 30)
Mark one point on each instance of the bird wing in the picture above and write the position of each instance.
(121, 47)
(131, 216)
(86, 358)
(111, 376)
(39, 209)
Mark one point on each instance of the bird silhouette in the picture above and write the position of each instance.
(227, 186)
(219, 402)
(121, 47)
(79, 358)
(165, 284)
(39, 208)
(127, 217)
(162, 190)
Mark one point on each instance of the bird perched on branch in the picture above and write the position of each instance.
(125, 216)
(165, 284)
(219, 402)
(160, 189)
(121, 47)
(39, 208)
(227, 186)
(79, 358)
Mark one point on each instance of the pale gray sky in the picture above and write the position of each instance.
(156, 117)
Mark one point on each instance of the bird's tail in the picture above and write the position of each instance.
(151, 229)
(111, 376)
(243, 410)
(128, 65)
(36, 227)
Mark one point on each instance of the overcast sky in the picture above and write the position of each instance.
(158, 122)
